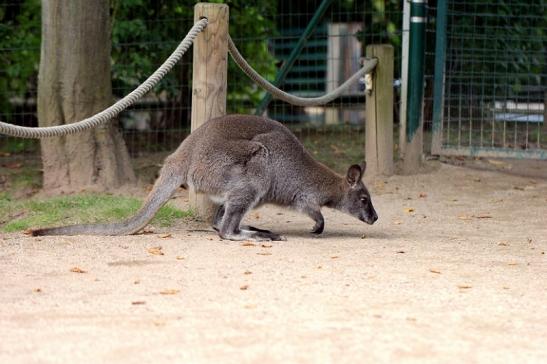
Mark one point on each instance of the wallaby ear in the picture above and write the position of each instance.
(354, 174)
(363, 166)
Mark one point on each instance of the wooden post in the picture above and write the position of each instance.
(379, 113)
(209, 80)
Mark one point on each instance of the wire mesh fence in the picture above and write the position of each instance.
(495, 79)
(145, 32)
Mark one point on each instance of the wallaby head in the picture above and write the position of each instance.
(356, 200)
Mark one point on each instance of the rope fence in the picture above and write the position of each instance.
(114, 110)
(111, 112)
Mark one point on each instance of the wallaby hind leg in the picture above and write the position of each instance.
(237, 205)
(217, 220)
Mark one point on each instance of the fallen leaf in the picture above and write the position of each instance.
(77, 270)
(512, 263)
(400, 252)
(37, 290)
(138, 303)
(503, 243)
(409, 210)
(169, 291)
(335, 257)
(244, 288)
(482, 216)
(136, 281)
(248, 243)
(165, 236)
(422, 195)
(179, 257)
(435, 271)
(264, 253)
(464, 217)
(498, 163)
(157, 250)
(247, 272)
(463, 286)
(518, 188)
(266, 245)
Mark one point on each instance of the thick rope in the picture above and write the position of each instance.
(368, 67)
(112, 111)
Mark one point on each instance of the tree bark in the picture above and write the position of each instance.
(74, 83)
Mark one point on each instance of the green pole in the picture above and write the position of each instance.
(415, 66)
(284, 70)
(438, 87)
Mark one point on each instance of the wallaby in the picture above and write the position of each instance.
(242, 162)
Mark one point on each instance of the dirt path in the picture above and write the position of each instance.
(456, 275)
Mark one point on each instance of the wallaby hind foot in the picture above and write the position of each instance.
(218, 218)
(227, 221)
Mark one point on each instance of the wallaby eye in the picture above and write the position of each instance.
(364, 199)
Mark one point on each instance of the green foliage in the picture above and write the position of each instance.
(502, 42)
(19, 49)
(144, 33)
(20, 215)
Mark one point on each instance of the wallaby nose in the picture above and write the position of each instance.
(375, 217)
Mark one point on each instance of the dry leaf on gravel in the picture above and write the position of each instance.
(400, 252)
(482, 216)
(169, 292)
(503, 243)
(408, 210)
(464, 217)
(77, 270)
(435, 271)
(335, 257)
(244, 288)
(247, 272)
(266, 245)
(264, 253)
(422, 195)
(37, 290)
(138, 303)
(179, 257)
(157, 250)
(165, 236)
(463, 286)
(248, 243)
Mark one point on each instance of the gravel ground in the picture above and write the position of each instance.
(454, 271)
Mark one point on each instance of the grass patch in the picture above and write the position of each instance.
(76, 209)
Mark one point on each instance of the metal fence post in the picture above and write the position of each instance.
(379, 113)
(209, 80)
(438, 88)
(414, 127)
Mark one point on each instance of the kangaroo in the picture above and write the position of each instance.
(242, 162)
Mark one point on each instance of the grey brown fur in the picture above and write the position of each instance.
(243, 162)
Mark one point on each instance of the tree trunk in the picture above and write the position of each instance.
(74, 83)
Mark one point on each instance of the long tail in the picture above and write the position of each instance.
(169, 180)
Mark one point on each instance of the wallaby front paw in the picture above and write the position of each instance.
(318, 229)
